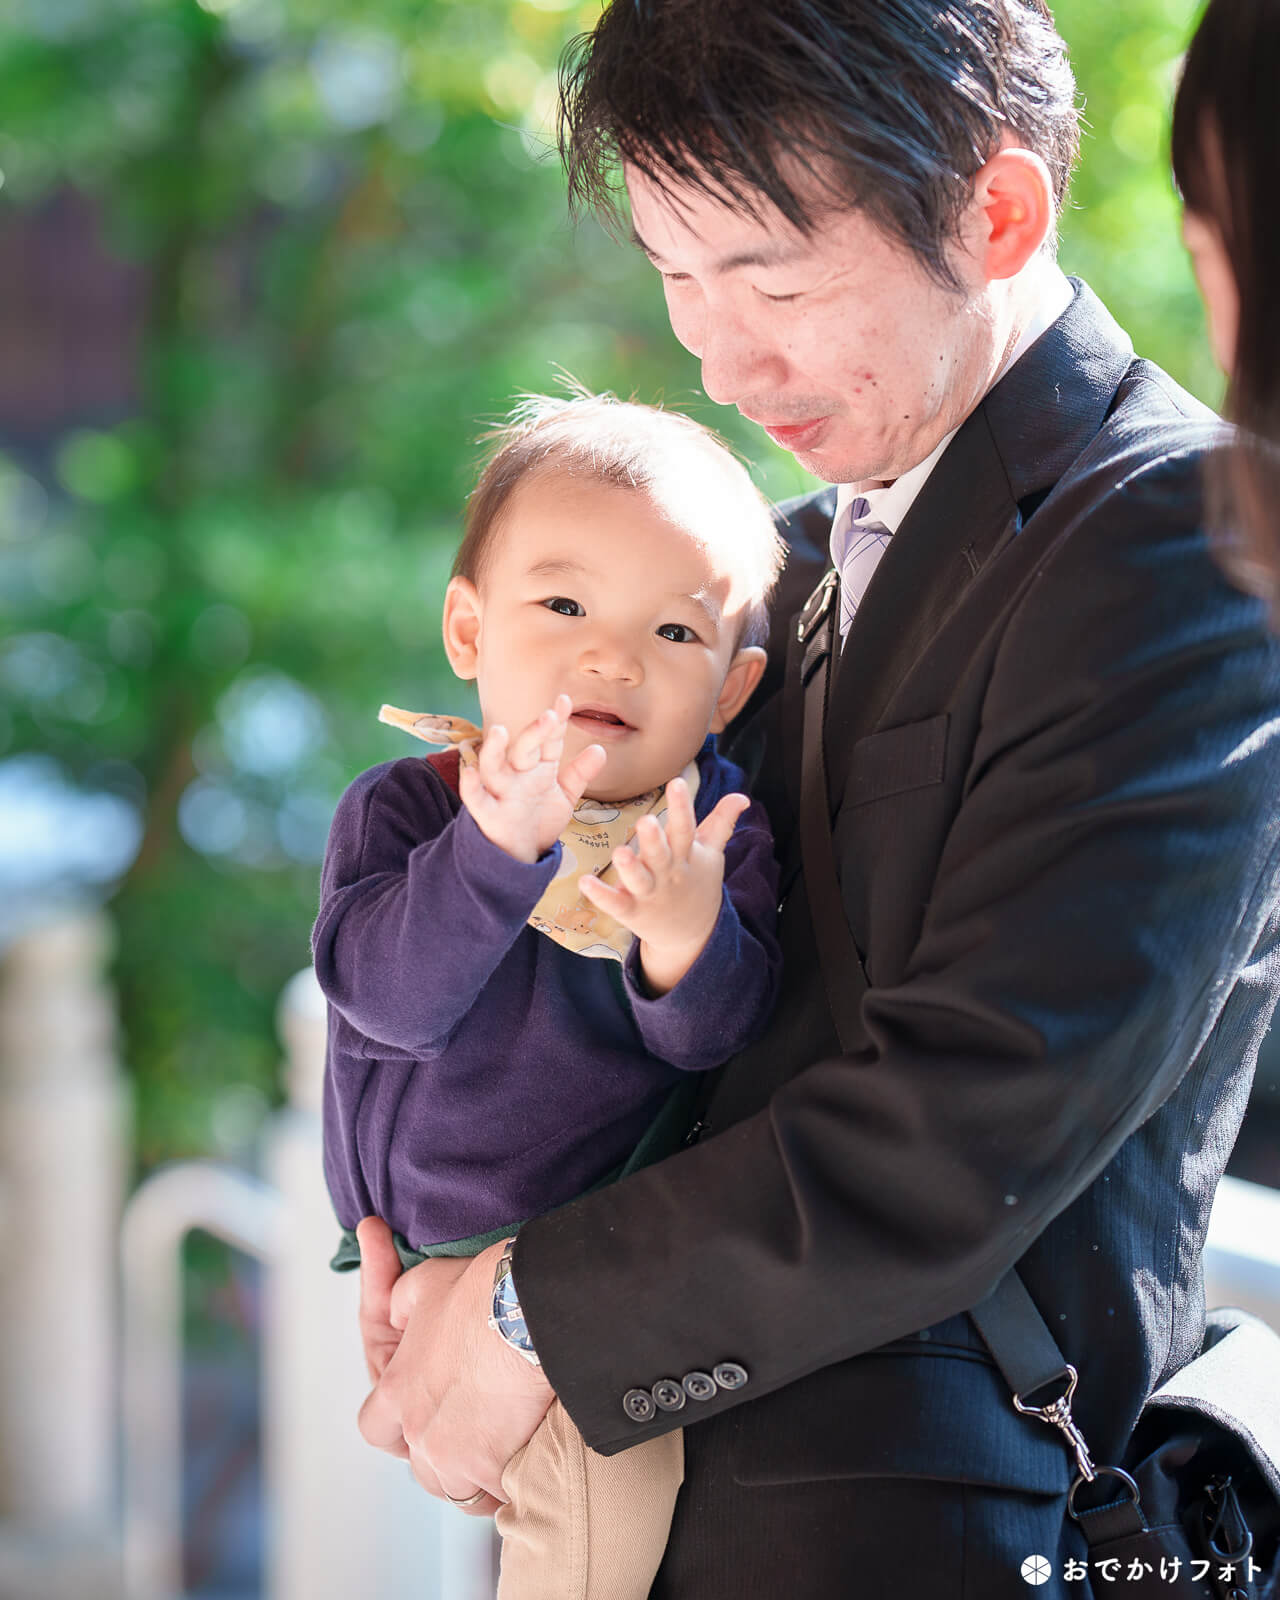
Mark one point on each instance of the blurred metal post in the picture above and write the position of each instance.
(245, 1214)
(343, 1519)
(62, 1143)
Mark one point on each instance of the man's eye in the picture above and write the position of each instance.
(677, 633)
(564, 607)
(778, 299)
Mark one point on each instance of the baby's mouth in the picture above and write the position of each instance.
(600, 721)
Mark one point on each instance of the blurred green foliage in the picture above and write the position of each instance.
(354, 251)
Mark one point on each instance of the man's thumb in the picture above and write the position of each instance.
(379, 1267)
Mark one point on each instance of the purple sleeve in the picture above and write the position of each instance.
(725, 999)
(417, 908)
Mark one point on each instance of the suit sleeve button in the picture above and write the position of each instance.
(638, 1404)
(668, 1394)
(698, 1385)
(729, 1375)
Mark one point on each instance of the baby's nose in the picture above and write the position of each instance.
(612, 658)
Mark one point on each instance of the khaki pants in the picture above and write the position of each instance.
(581, 1526)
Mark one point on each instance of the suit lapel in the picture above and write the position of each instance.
(964, 512)
(1004, 460)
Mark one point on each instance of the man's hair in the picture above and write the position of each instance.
(690, 474)
(891, 106)
(1226, 152)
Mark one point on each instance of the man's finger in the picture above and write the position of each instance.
(379, 1422)
(379, 1272)
(716, 830)
(379, 1263)
(425, 1285)
(482, 1508)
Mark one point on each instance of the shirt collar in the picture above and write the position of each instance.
(889, 503)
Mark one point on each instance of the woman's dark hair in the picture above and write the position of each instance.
(891, 106)
(1226, 157)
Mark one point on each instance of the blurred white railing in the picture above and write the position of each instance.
(1242, 1259)
(78, 1516)
(342, 1520)
(63, 1143)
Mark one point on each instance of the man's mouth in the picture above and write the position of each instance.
(796, 435)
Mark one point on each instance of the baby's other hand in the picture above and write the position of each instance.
(670, 884)
(516, 792)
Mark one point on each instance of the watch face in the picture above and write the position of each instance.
(508, 1315)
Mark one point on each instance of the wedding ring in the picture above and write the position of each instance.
(471, 1500)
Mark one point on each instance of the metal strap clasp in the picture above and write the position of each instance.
(816, 606)
(1058, 1415)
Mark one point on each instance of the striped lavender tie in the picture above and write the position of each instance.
(867, 542)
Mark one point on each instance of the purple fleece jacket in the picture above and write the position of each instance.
(479, 1073)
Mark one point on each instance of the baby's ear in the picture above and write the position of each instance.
(461, 626)
(745, 671)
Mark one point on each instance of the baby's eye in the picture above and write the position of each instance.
(563, 606)
(677, 633)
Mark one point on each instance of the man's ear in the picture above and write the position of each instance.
(745, 671)
(1013, 194)
(461, 626)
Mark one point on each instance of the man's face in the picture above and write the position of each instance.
(837, 342)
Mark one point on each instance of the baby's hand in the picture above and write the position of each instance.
(516, 792)
(670, 884)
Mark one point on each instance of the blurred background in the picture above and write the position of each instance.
(267, 269)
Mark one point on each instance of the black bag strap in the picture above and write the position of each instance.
(1017, 1335)
(842, 972)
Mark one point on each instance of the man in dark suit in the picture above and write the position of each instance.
(1053, 751)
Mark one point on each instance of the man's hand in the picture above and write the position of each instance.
(518, 795)
(453, 1397)
(670, 884)
(379, 1270)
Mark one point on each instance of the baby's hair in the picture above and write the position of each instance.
(690, 472)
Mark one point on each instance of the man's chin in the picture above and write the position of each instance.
(834, 460)
(829, 467)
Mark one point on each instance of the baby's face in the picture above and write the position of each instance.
(590, 590)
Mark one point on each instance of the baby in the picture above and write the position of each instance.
(532, 941)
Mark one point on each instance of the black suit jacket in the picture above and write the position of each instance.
(1054, 753)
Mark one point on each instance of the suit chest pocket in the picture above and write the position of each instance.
(896, 760)
(894, 815)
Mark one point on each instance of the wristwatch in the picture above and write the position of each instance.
(506, 1318)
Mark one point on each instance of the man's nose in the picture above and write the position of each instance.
(737, 359)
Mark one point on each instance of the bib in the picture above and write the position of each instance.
(596, 829)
